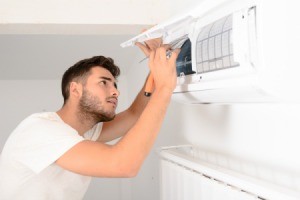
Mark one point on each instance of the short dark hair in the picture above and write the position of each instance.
(81, 70)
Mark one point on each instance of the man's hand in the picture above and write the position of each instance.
(163, 69)
(150, 45)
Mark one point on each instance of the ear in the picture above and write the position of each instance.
(75, 90)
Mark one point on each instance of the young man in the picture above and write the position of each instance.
(53, 155)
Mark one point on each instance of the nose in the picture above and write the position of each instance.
(115, 92)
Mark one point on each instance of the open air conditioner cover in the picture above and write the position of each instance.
(221, 58)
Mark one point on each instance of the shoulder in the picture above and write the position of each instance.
(46, 117)
(42, 124)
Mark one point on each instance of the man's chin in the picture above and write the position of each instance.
(108, 118)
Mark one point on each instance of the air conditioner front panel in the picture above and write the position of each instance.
(227, 53)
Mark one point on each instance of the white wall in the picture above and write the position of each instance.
(80, 17)
(265, 136)
(22, 98)
(79, 12)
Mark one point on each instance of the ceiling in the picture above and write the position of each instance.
(46, 57)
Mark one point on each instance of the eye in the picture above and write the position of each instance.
(102, 82)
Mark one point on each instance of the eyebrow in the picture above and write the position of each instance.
(105, 78)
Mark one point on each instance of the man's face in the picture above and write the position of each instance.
(99, 98)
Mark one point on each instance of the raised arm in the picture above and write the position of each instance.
(124, 158)
(125, 120)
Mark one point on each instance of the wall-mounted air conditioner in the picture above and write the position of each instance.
(231, 51)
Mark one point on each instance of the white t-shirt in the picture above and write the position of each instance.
(27, 164)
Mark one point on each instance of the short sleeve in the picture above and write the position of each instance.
(39, 142)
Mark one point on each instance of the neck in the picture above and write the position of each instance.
(79, 121)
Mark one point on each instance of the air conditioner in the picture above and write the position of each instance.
(233, 51)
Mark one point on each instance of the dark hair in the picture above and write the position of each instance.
(81, 70)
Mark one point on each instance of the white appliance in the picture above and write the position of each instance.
(189, 173)
(240, 52)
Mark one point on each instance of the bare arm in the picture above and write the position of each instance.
(125, 120)
(126, 157)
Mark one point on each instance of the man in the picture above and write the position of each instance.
(53, 155)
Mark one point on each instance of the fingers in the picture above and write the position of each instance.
(159, 53)
(152, 56)
(163, 68)
(153, 43)
(144, 49)
(149, 45)
(163, 54)
(167, 46)
(175, 54)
